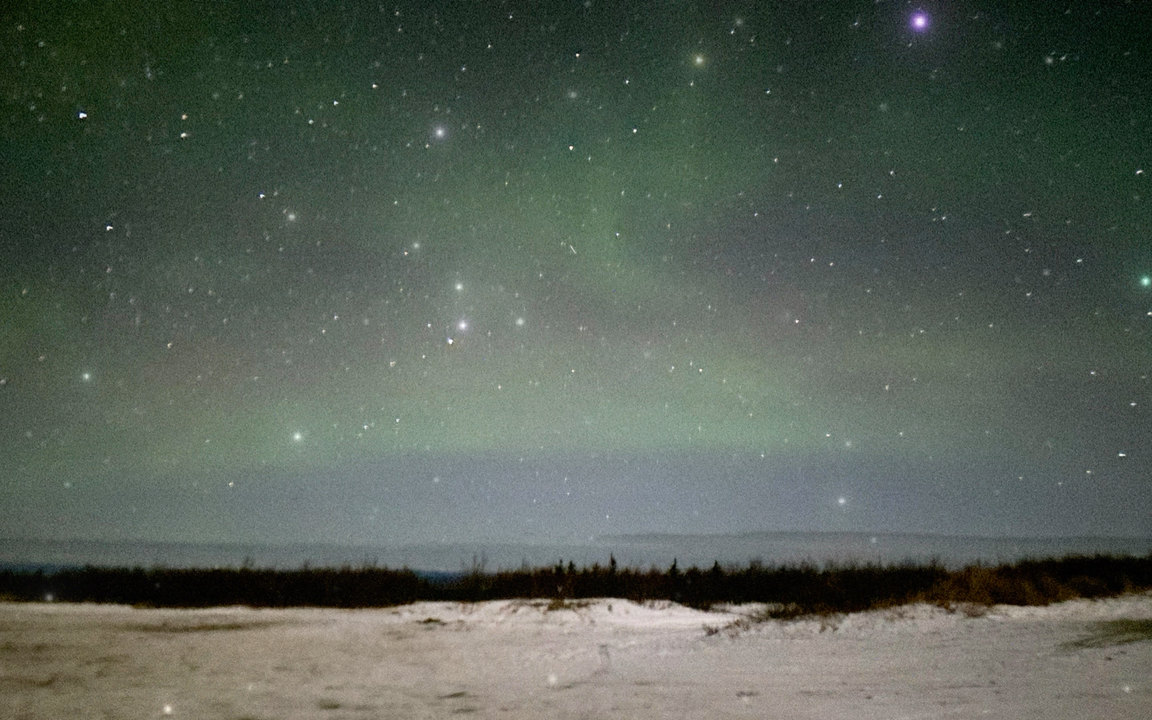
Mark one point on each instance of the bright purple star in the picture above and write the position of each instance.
(920, 21)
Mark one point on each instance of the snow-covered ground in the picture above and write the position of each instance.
(601, 659)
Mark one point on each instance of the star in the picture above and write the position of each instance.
(920, 21)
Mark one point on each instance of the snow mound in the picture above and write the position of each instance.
(610, 612)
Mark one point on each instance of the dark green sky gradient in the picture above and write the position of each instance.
(720, 266)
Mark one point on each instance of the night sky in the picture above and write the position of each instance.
(398, 272)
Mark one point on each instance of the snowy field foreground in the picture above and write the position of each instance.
(602, 659)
